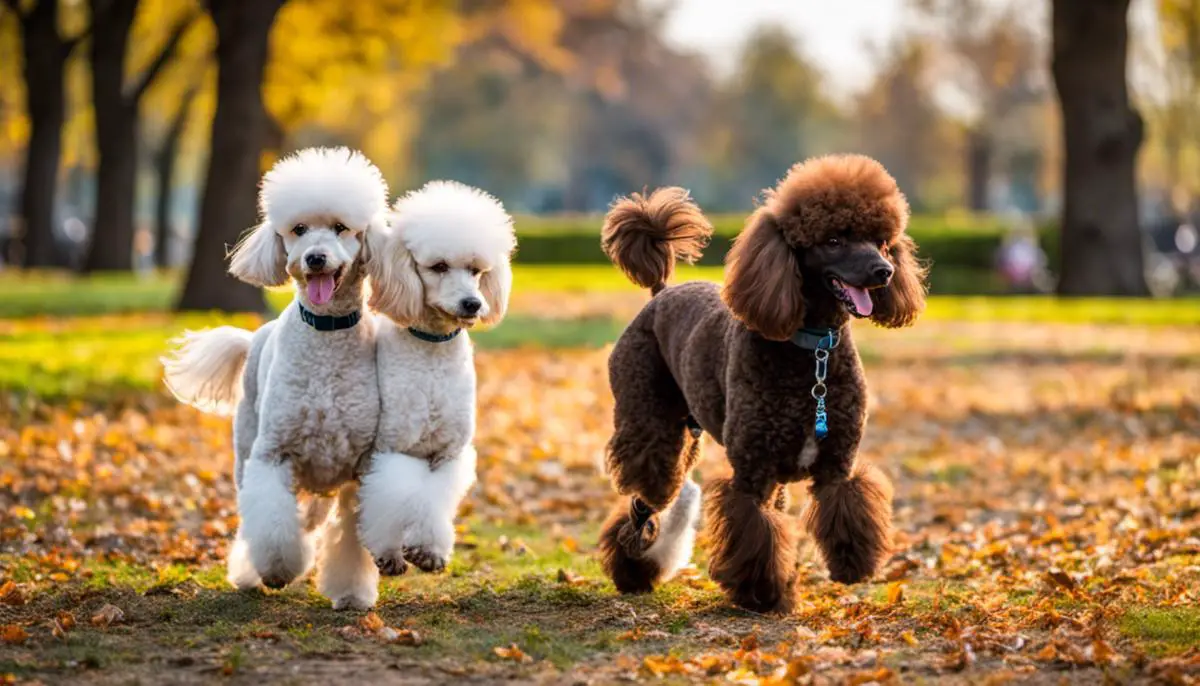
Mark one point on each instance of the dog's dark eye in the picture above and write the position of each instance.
(340, 228)
(833, 241)
(440, 268)
(300, 229)
(476, 271)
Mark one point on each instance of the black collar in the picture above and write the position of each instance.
(433, 337)
(325, 322)
(817, 339)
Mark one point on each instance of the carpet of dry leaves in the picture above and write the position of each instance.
(1047, 495)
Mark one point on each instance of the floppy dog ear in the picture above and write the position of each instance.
(899, 303)
(496, 284)
(259, 258)
(396, 288)
(372, 241)
(763, 287)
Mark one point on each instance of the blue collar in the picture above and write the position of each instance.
(324, 322)
(817, 339)
(433, 337)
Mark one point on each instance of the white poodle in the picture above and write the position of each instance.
(308, 400)
(443, 268)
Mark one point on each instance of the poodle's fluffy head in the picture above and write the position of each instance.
(445, 263)
(319, 207)
(828, 240)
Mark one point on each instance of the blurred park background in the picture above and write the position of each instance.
(1038, 152)
(1041, 421)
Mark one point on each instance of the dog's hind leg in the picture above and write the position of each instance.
(850, 516)
(649, 457)
(346, 574)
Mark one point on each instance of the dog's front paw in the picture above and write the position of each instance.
(391, 564)
(425, 560)
(352, 601)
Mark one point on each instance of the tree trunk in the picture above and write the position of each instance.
(239, 130)
(165, 164)
(45, 57)
(979, 169)
(116, 137)
(1101, 239)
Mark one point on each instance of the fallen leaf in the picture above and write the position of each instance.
(10, 594)
(512, 652)
(1058, 577)
(662, 665)
(13, 634)
(750, 641)
(370, 622)
(878, 676)
(108, 615)
(404, 637)
(1047, 654)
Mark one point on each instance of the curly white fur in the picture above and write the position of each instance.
(346, 573)
(449, 244)
(406, 504)
(310, 402)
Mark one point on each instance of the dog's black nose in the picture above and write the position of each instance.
(883, 274)
(315, 261)
(470, 305)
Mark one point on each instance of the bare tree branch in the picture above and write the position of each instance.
(170, 47)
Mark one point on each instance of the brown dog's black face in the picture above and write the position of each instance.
(849, 268)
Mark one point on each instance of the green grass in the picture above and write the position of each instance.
(490, 597)
(56, 295)
(1162, 631)
(729, 224)
(63, 356)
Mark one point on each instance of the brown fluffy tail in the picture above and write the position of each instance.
(644, 235)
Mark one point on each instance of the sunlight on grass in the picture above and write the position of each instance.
(1163, 630)
(97, 355)
(49, 294)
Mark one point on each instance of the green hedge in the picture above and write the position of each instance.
(965, 243)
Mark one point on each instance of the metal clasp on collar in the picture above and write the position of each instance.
(819, 389)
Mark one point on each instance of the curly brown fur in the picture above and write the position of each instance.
(753, 549)
(762, 279)
(852, 522)
(644, 235)
(827, 244)
(647, 454)
(850, 197)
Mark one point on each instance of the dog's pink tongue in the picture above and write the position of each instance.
(320, 288)
(862, 300)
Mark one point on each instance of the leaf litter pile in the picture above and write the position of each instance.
(1047, 501)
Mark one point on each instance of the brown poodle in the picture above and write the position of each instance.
(767, 367)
